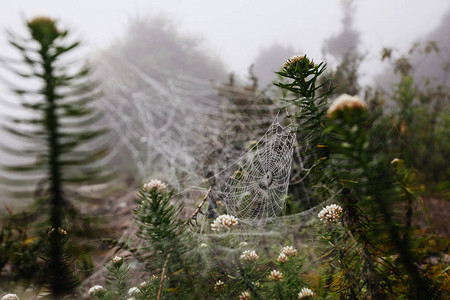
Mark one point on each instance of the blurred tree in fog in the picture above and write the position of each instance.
(429, 67)
(168, 103)
(57, 137)
(347, 40)
(344, 48)
(417, 85)
(158, 48)
(145, 74)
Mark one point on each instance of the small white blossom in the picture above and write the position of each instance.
(397, 162)
(219, 285)
(134, 291)
(96, 291)
(143, 285)
(154, 184)
(285, 253)
(282, 258)
(304, 293)
(245, 296)
(224, 221)
(276, 275)
(249, 255)
(203, 245)
(10, 297)
(243, 244)
(289, 250)
(346, 102)
(330, 213)
(296, 58)
(117, 260)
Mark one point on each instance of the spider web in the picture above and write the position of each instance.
(178, 128)
(188, 133)
(256, 191)
(182, 130)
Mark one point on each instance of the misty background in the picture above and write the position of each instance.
(144, 48)
(238, 33)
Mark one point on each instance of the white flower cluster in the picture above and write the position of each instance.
(282, 258)
(304, 293)
(245, 296)
(219, 285)
(292, 60)
(249, 255)
(224, 221)
(346, 102)
(285, 253)
(10, 297)
(154, 184)
(96, 291)
(296, 58)
(117, 260)
(203, 245)
(276, 275)
(330, 213)
(289, 250)
(243, 244)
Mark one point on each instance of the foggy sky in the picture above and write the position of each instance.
(235, 30)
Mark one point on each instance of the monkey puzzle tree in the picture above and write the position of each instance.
(59, 137)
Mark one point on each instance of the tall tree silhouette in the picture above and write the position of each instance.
(59, 138)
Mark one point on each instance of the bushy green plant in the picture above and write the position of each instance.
(356, 172)
(302, 89)
(116, 277)
(17, 248)
(367, 239)
(58, 275)
(179, 265)
(421, 117)
(59, 139)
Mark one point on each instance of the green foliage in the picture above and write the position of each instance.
(356, 172)
(165, 247)
(302, 89)
(17, 249)
(184, 267)
(158, 223)
(116, 278)
(421, 118)
(58, 133)
(58, 273)
(370, 250)
(58, 138)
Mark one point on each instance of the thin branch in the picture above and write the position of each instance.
(195, 213)
(163, 274)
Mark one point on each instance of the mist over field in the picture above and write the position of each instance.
(224, 149)
(230, 37)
